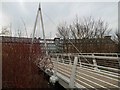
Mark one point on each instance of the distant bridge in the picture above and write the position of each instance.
(88, 70)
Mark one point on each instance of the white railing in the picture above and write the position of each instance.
(88, 74)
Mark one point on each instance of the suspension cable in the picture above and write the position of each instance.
(78, 51)
(68, 39)
(49, 18)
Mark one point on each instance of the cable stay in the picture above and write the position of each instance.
(44, 62)
(68, 39)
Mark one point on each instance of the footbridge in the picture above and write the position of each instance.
(87, 70)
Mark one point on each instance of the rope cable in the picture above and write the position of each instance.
(68, 39)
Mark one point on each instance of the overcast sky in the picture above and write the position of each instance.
(55, 13)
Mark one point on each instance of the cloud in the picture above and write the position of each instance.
(67, 11)
(56, 13)
(5, 20)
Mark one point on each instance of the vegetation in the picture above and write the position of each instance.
(83, 28)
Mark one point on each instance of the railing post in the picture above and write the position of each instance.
(80, 62)
(72, 78)
(118, 60)
(94, 62)
(70, 60)
(56, 62)
(62, 60)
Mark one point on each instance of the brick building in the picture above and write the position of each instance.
(99, 45)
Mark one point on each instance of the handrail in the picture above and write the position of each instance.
(99, 57)
(109, 68)
(107, 73)
(86, 53)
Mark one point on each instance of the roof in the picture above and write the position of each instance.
(93, 40)
(7, 39)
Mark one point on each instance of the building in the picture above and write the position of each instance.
(51, 47)
(59, 45)
(95, 45)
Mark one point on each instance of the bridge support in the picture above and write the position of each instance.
(56, 62)
(118, 60)
(80, 62)
(70, 60)
(72, 78)
(95, 63)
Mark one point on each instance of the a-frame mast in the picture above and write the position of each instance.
(42, 24)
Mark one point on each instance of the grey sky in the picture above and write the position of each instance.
(12, 12)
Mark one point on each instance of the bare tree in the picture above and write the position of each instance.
(24, 27)
(101, 29)
(90, 28)
(73, 32)
(63, 31)
(19, 33)
(5, 31)
(84, 28)
(117, 39)
(118, 35)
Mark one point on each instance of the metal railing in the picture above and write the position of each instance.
(88, 74)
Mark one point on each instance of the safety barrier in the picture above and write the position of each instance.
(84, 71)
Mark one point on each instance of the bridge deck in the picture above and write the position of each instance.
(86, 75)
